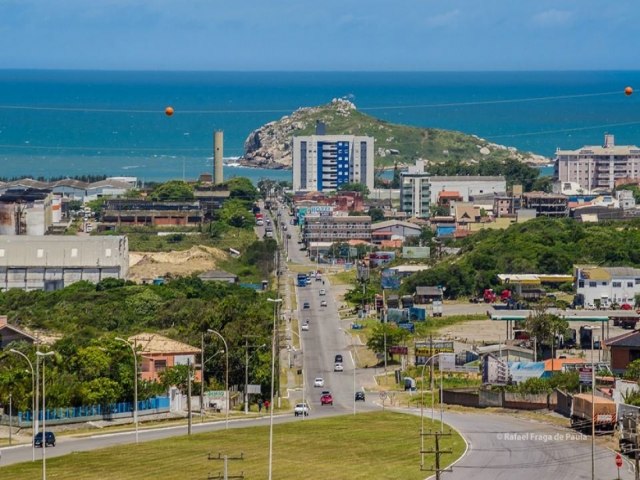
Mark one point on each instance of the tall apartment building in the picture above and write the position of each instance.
(324, 162)
(598, 167)
(415, 191)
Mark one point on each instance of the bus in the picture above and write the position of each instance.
(302, 280)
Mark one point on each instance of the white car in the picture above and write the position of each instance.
(301, 409)
(323, 292)
(338, 367)
(318, 382)
(323, 303)
(305, 327)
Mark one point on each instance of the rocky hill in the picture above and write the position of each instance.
(270, 145)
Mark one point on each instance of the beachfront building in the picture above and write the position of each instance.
(415, 191)
(324, 162)
(53, 262)
(598, 167)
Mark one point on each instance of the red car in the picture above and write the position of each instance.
(326, 399)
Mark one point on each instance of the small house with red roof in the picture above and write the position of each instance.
(159, 353)
(623, 349)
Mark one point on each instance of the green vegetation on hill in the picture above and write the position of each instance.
(448, 152)
(92, 366)
(539, 246)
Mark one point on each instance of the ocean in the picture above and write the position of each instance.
(67, 123)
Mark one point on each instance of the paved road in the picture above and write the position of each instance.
(503, 447)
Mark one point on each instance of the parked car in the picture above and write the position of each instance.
(323, 303)
(318, 382)
(301, 409)
(323, 292)
(326, 398)
(338, 358)
(50, 439)
(338, 367)
(305, 327)
(306, 305)
(359, 396)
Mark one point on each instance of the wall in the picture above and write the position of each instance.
(468, 398)
(530, 402)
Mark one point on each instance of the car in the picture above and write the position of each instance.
(359, 396)
(50, 439)
(318, 277)
(326, 398)
(318, 382)
(338, 358)
(338, 367)
(306, 305)
(323, 292)
(301, 409)
(305, 327)
(323, 303)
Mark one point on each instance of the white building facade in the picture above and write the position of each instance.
(598, 167)
(467, 186)
(415, 191)
(324, 162)
(607, 286)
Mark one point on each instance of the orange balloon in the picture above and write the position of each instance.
(628, 91)
(168, 111)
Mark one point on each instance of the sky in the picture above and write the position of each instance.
(328, 35)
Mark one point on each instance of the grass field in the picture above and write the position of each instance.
(380, 445)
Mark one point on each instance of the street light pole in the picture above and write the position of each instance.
(44, 413)
(273, 368)
(226, 374)
(593, 413)
(135, 383)
(33, 400)
(428, 361)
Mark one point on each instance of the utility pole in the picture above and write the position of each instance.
(189, 397)
(436, 450)
(202, 378)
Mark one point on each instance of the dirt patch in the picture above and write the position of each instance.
(145, 266)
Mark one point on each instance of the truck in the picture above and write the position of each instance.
(259, 219)
(603, 410)
(436, 308)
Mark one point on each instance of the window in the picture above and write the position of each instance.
(160, 365)
(592, 284)
(604, 284)
(581, 284)
(616, 284)
(629, 284)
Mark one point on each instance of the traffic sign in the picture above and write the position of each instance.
(383, 395)
(618, 460)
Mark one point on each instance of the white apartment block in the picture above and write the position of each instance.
(598, 167)
(415, 191)
(324, 162)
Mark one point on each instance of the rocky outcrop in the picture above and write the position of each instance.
(270, 145)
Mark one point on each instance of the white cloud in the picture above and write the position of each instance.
(443, 19)
(552, 18)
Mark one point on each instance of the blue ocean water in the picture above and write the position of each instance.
(55, 123)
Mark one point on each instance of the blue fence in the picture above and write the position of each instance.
(96, 410)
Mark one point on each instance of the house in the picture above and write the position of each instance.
(159, 353)
(218, 276)
(145, 212)
(393, 229)
(428, 294)
(623, 349)
(546, 204)
(465, 213)
(9, 333)
(446, 198)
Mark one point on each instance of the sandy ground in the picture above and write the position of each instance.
(149, 265)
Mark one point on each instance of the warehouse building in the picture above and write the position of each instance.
(54, 262)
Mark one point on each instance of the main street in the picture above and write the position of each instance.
(499, 446)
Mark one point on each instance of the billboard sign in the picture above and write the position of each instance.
(398, 350)
(447, 361)
(425, 350)
(585, 374)
(390, 279)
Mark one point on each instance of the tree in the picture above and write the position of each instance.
(241, 188)
(544, 326)
(633, 371)
(394, 336)
(376, 214)
(235, 214)
(172, 191)
(354, 187)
